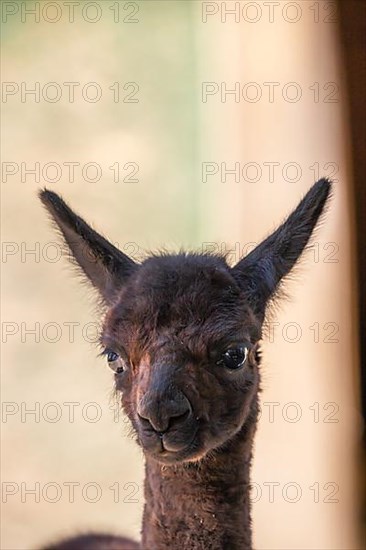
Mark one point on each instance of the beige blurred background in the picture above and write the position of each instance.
(306, 451)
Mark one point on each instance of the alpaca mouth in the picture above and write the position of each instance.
(173, 445)
(169, 447)
(174, 454)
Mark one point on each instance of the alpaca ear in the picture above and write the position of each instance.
(106, 267)
(261, 272)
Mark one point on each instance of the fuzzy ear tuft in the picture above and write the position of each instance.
(106, 267)
(261, 272)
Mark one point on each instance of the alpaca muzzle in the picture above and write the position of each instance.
(166, 421)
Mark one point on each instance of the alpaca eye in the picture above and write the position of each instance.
(234, 358)
(115, 362)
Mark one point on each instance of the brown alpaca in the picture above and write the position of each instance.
(181, 334)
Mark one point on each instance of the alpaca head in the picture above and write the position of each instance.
(181, 331)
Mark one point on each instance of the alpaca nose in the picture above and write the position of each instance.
(161, 413)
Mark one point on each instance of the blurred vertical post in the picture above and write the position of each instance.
(353, 38)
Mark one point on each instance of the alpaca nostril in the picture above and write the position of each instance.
(179, 419)
(163, 415)
(158, 424)
(145, 421)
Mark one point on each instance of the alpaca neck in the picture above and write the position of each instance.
(203, 504)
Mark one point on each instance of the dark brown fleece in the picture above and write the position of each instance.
(170, 322)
